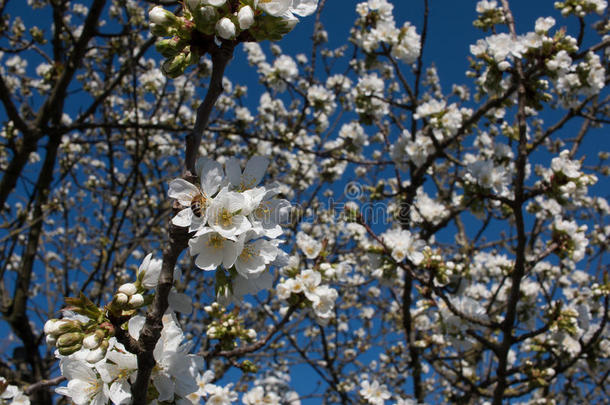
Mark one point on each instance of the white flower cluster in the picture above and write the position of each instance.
(444, 122)
(272, 389)
(406, 149)
(571, 80)
(567, 183)
(484, 6)
(308, 282)
(500, 47)
(110, 379)
(489, 176)
(369, 98)
(12, 394)
(405, 42)
(263, 19)
(236, 223)
(287, 8)
(88, 335)
(308, 245)
(404, 245)
(499, 50)
(228, 26)
(489, 16)
(585, 78)
(427, 209)
(571, 238)
(213, 394)
(374, 393)
(283, 71)
(580, 8)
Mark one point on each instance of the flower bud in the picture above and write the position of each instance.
(107, 328)
(128, 289)
(248, 367)
(69, 339)
(504, 65)
(205, 19)
(351, 210)
(50, 326)
(51, 340)
(170, 46)
(121, 299)
(136, 301)
(225, 28)
(245, 17)
(216, 3)
(175, 66)
(274, 8)
(193, 5)
(60, 326)
(251, 333)
(90, 342)
(159, 30)
(96, 355)
(160, 16)
(93, 340)
(68, 350)
(290, 23)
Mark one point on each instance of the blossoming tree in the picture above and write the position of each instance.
(168, 237)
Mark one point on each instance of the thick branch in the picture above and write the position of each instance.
(16, 314)
(517, 208)
(220, 59)
(178, 240)
(50, 106)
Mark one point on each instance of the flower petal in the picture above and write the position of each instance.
(211, 175)
(275, 7)
(183, 191)
(233, 170)
(135, 325)
(183, 218)
(164, 386)
(255, 170)
(304, 8)
(180, 302)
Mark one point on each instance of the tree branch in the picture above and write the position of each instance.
(220, 59)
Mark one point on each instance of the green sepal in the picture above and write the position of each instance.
(83, 306)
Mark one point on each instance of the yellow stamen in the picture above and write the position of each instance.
(226, 218)
(216, 241)
(248, 253)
